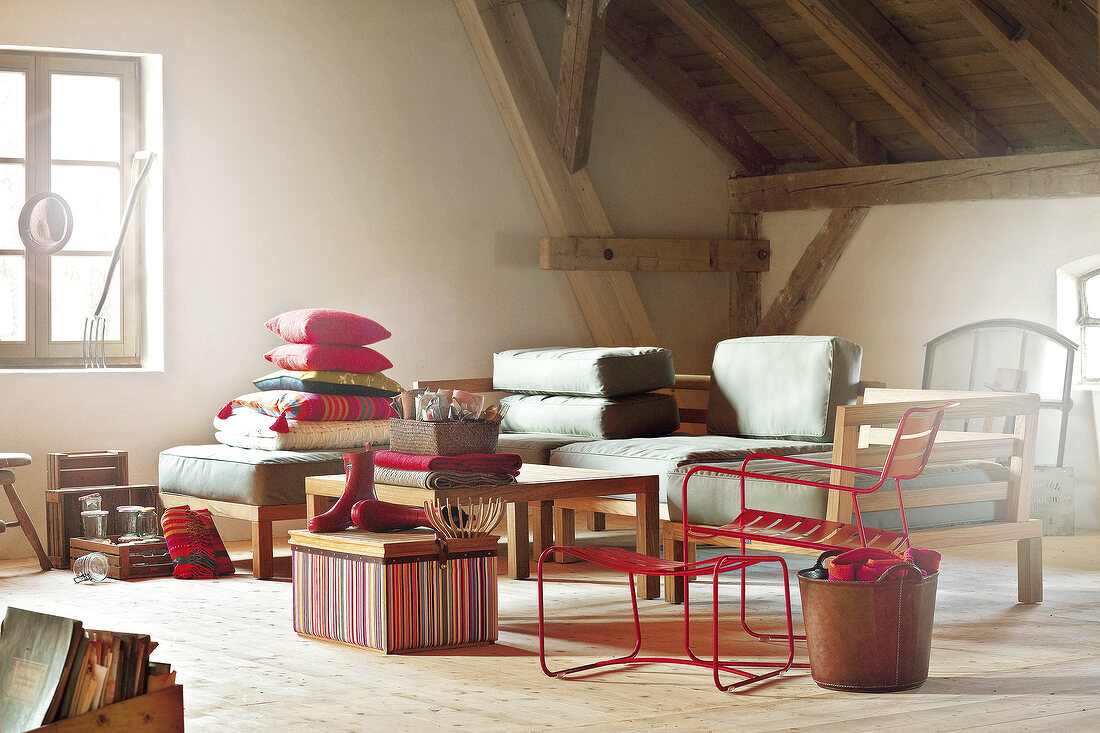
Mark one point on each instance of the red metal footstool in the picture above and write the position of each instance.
(633, 563)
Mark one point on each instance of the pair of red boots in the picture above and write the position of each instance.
(360, 506)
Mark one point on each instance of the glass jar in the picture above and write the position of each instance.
(91, 502)
(94, 522)
(148, 523)
(92, 567)
(130, 515)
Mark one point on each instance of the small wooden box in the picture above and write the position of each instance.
(394, 592)
(155, 712)
(130, 561)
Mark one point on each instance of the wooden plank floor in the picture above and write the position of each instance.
(996, 665)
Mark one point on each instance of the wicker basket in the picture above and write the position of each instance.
(450, 438)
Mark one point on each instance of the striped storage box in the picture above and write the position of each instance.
(394, 591)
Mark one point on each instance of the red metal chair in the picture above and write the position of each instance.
(633, 563)
(906, 459)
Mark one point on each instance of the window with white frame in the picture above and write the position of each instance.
(1088, 320)
(69, 124)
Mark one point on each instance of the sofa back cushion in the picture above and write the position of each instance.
(781, 386)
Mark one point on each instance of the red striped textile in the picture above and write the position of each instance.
(309, 406)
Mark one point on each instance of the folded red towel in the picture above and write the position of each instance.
(470, 462)
(868, 563)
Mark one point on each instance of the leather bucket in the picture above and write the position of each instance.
(869, 636)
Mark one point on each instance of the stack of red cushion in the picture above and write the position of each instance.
(330, 392)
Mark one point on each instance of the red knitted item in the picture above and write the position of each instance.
(468, 462)
(213, 540)
(186, 536)
(869, 563)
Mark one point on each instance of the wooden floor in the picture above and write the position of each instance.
(995, 665)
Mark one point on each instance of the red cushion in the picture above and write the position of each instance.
(306, 357)
(326, 326)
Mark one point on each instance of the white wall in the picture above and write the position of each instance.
(914, 272)
(346, 154)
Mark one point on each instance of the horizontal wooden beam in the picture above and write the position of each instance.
(666, 255)
(1039, 175)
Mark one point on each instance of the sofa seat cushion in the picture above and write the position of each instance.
(780, 387)
(243, 476)
(632, 416)
(591, 372)
(662, 455)
(534, 447)
(715, 499)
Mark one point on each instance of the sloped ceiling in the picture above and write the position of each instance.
(776, 85)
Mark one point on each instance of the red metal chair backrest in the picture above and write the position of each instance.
(913, 442)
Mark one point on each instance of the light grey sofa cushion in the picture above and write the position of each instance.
(715, 499)
(639, 415)
(781, 386)
(662, 455)
(534, 447)
(241, 475)
(592, 372)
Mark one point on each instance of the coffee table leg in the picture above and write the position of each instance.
(519, 542)
(316, 504)
(648, 540)
(542, 535)
(565, 533)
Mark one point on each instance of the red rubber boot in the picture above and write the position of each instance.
(359, 469)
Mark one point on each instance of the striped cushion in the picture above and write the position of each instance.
(310, 406)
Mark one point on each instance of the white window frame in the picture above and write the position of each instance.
(39, 350)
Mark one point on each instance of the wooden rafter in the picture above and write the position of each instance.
(582, 47)
(746, 52)
(1039, 175)
(874, 49)
(632, 46)
(664, 255)
(812, 271)
(517, 77)
(1039, 57)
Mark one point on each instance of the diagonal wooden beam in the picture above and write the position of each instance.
(521, 86)
(1038, 175)
(812, 271)
(746, 52)
(582, 47)
(716, 126)
(875, 50)
(1046, 57)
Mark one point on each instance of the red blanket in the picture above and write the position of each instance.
(868, 563)
(469, 462)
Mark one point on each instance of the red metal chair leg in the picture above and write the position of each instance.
(636, 564)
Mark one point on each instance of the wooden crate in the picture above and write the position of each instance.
(72, 475)
(131, 561)
(156, 712)
(394, 592)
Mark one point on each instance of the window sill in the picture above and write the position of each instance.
(83, 370)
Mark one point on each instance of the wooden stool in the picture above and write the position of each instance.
(21, 519)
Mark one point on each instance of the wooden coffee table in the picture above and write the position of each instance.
(538, 485)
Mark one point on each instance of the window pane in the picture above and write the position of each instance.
(13, 114)
(13, 299)
(1092, 296)
(13, 189)
(77, 284)
(1090, 352)
(92, 193)
(86, 117)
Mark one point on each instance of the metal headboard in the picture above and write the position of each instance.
(1032, 336)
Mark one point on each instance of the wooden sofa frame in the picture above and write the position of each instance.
(861, 435)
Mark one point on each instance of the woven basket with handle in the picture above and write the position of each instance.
(448, 438)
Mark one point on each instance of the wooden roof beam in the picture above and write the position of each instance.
(632, 46)
(521, 86)
(746, 52)
(1075, 95)
(654, 255)
(812, 271)
(582, 47)
(1039, 175)
(875, 50)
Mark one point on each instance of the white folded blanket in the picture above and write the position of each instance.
(251, 429)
